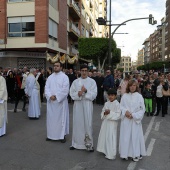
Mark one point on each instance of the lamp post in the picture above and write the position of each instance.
(102, 21)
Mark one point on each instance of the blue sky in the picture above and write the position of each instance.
(139, 30)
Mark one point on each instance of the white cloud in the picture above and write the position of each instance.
(138, 30)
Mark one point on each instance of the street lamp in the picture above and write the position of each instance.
(102, 21)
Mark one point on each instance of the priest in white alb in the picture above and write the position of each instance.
(3, 106)
(32, 90)
(56, 92)
(83, 91)
(132, 106)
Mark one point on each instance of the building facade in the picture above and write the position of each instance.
(30, 29)
(125, 63)
(146, 51)
(167, 31)
(140, 57)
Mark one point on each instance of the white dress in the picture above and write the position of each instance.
(3, 106)
(131, 142)
(107, 140)
(82, 111)
(32, 89)
(57, 111)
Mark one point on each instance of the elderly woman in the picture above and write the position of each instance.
(131, 134)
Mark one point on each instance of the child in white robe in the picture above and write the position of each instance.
(107, 140)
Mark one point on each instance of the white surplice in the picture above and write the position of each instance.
(57, 111)
(32, 89)
(3, 106)
(131, 142)
(82, 111)
(107, 140)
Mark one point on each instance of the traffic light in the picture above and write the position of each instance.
(151, 20)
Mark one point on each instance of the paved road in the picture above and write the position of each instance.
(25, 148)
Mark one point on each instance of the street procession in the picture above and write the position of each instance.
(75, 94)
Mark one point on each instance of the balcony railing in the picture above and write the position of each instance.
(74, 50)
(74, 28)
(75, 6)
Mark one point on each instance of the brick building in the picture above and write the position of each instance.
(30, 29)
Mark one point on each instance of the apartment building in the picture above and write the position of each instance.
(140, 57)
(125, 63)
(146, 51)
(30, 29)
(167, 32)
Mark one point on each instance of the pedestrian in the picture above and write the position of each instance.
(161, 100)
(99, 82)
(18, 91)
(131, 143)
(41, 80)
(56, 92)
(10, 81)
(71, 77)
(32, 90)
(83, 91)
(148, 94)
(24, 97)
(108, 83)
(3, 105)
(107, 140)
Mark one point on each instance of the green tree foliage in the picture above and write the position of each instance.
(97, 50)
(116, 56)
(154, 66)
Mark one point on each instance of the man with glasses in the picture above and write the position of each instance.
(83, 91)
(56, 92)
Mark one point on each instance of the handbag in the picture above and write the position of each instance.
(166, 93)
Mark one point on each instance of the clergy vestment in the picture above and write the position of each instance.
(82, 111)
(107, 141)
(57, 84)
(32, 89)
(131, 142)
(3, 106)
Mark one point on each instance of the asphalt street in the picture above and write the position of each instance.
(24, 147)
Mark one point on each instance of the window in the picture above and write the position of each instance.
(54, 3)
(52, 32)
(21, 26)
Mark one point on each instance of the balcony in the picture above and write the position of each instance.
(73, 51)
(74, 10)
(74, 31)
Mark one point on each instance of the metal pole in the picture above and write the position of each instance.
(109, 53)
(125, 22)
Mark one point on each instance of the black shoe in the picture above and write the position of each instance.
(63, 140)
(33, 118)
(47, 139)
(72, 148)
(163, 115)
(23, 109)
(91, 150)
(156, 114)
(15, 110)
(151, 114)
(147, 114)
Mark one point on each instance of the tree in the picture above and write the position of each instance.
(158, 65)
(96, 49)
